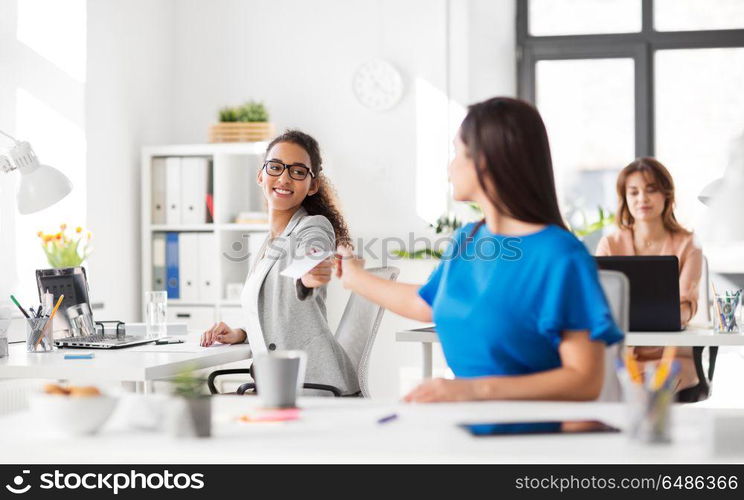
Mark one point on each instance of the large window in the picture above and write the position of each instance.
(615, 80)
(43, 61)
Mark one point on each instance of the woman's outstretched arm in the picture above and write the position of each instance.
(580, 378)
(400, 298)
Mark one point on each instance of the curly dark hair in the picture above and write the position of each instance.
(325, 201)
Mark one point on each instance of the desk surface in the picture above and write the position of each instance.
(688, 337)
(141, 363)
(345, 430)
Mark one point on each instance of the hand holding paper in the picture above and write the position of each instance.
(303, 265)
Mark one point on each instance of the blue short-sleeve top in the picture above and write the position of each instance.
(501, 303)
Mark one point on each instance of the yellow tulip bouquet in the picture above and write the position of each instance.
(66, 248)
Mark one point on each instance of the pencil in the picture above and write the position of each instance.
(668, 355)
(19, 307)
(49, 321)
(633, 369)
(665, 367)
(718, 306)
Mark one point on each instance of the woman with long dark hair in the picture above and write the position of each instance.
(516, 299)
(303, 219)
(647, 226)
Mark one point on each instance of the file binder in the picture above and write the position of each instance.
(188, 266)
(207, 266)
(194, 171)
(173, 190)
(158, 191)
(171, 265)
(158, 261)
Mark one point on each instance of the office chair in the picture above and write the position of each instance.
(356, 333)
(702, 390)
(617, 291)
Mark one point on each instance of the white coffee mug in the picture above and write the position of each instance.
(279, 377)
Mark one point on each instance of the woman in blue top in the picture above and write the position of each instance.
(516, 299)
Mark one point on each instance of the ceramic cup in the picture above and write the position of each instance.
(279, 377)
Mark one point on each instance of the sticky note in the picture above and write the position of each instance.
(87, 355)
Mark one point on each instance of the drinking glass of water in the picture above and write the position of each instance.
(156, 314)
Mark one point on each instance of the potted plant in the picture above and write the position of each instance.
(65, 248)
(192, 413)
(445, 225)
(246, 123)
(588, 232)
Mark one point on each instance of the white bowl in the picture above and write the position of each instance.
(70, 416)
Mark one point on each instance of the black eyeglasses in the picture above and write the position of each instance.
(297, 171)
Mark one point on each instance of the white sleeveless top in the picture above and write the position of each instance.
(249, 300)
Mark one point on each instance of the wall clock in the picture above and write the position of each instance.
(378, 85)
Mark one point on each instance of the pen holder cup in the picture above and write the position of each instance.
(726, 312)
(649, 413)
(3, 340)
(4, 324)
(39, 336)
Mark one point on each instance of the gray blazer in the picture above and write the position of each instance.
(293, 316)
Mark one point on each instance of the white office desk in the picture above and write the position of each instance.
(690, 337)
(144, 363)
(345, 430)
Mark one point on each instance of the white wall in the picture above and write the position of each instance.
(131, 52)
(158, 71)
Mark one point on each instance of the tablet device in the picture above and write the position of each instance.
(547, 427)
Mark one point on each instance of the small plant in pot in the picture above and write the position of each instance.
(246, 123)
(192, 415)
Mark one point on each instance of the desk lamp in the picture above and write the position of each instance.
(41, 185)
(725, 197)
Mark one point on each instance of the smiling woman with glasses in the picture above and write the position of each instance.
(282, 313)
(297, 171)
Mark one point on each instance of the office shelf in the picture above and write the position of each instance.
(231, 176)
(191, 303)
(203, 303)
(244, 227)
(183, 227)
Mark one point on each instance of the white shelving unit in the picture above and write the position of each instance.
(232, 171)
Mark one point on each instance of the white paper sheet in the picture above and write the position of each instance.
(302, 265)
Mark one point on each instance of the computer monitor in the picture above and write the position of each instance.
(72, 282)
(654, 290)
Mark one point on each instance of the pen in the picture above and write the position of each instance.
(388, 418)
(19, 307)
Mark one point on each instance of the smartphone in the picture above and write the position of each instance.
(547, 427)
